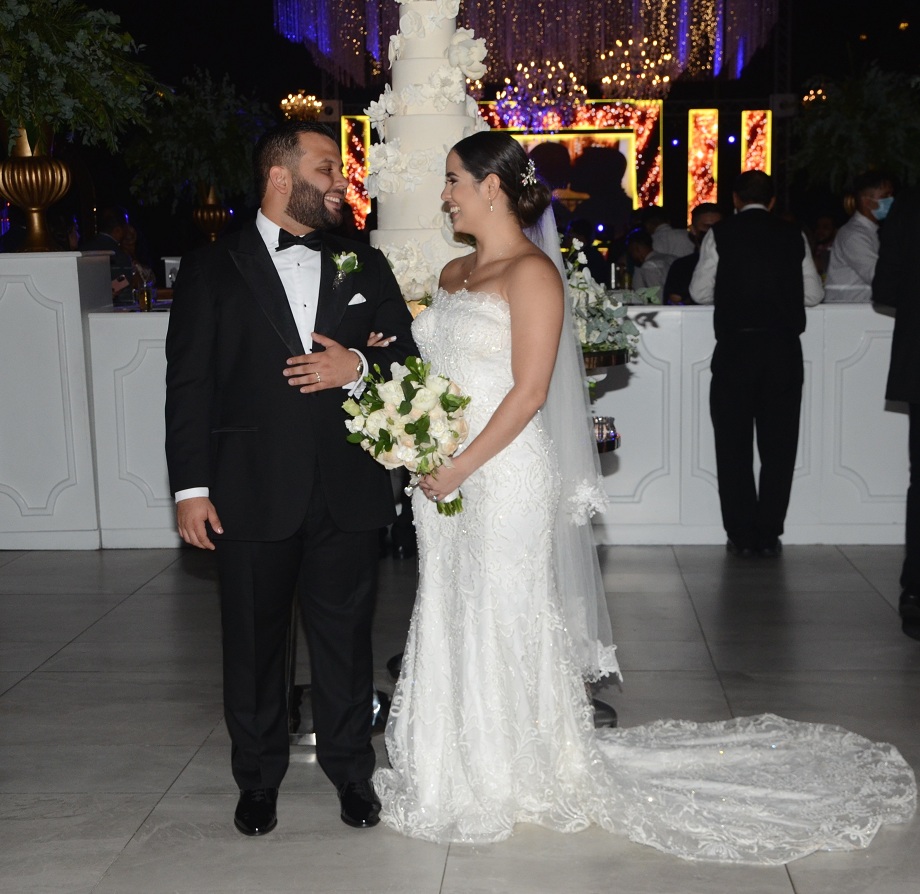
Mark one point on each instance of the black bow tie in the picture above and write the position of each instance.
(313, 240)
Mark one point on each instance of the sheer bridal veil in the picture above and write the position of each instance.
(567, 417)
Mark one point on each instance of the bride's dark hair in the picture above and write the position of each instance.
(491, 152)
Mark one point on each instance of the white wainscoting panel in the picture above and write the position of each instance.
(136, 508)
(47, 482)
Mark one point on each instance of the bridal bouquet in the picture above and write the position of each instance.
(414, 419)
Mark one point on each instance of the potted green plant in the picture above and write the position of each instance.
(200, 149)
(67, 70)
(869, 120)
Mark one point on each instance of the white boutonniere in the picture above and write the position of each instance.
(345, 262)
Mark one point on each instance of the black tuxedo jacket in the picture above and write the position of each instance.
(235, 425)
(895, 284)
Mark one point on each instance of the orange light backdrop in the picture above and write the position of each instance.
(702, 157)
(757, 148)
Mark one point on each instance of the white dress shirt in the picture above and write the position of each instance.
(852, 262)
(299, 268)
(703, 284)
(668, 241)
(653, 271)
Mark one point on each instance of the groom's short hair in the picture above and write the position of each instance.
(281, 146)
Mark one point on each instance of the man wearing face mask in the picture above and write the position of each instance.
(855, 250)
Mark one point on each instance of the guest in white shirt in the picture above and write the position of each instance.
(667, 240)
(855, 249)
(652, 267)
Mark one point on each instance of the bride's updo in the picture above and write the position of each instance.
(491, 152)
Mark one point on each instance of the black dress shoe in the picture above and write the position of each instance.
(255, 811)
(360, 806)
(909, 610)
(742, 552)
(770, 550)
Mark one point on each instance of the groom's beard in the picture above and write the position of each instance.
(307, 206)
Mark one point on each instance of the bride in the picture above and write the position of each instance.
(490, 723)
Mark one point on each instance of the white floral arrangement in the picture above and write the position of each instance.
(414, 419)
(600, 319)
(392, 170)
(417, 266)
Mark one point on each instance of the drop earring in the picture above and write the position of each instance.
(490, 204)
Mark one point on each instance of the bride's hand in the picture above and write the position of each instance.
(444, 481)
(378, 340)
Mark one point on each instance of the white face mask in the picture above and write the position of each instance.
(883, 207)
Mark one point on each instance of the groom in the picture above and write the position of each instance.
(262, 471)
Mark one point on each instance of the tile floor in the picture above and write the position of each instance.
(114, 771)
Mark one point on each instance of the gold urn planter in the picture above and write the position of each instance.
(211, 217)
(33, 182)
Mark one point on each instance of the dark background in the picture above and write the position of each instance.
(831, 38)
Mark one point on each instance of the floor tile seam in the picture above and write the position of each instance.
(715, 668)
(869, 583)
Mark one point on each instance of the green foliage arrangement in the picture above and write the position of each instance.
(868, 121)
(203, 139)
(69, 70)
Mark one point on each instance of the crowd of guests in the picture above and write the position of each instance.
(654, 251)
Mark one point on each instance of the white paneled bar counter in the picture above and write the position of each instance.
(851, 470)
(81, 422)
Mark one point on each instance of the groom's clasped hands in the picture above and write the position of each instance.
(333, 367)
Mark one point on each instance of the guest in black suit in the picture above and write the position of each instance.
(895, 284)
(112, 224)
(758, 272)
(262, 471)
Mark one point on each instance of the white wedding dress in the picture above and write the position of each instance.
(490, 724)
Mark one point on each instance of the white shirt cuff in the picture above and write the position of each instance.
(356, 388)
(190, 492)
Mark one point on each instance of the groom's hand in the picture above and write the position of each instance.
(332, 368)
(191, 515)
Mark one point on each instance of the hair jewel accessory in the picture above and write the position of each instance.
(529, 177)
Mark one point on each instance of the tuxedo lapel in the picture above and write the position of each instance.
(256, 267)
(333, 296)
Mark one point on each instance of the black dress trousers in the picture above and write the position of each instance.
(756, 391)
(334, 574)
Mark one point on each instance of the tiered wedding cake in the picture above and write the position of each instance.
(418, 119)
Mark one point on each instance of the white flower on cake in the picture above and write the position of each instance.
(466, 52)
(394, 171)
(446, 85)
(411, 24)
(395, 47)
(448, 8)
(378, 111)
(417, 266)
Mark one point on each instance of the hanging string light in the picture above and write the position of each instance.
(350, 40)
(541, 96)
(637, 69)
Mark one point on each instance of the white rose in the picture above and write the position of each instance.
(425, 400)
(438, 428)
(437, 384)
(374, 422)
(388, 459)
(448, 447)
(461, 428)
(405, 455)
(391, 393)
